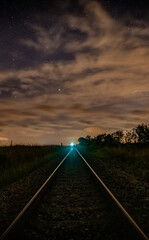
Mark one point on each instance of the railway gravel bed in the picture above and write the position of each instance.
(132, 192)
(14, 197)
(75, 208)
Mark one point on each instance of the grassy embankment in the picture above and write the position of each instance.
(19, 161)
(133, 158)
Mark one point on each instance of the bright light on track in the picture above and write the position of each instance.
(71, 144)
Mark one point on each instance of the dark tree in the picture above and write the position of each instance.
(142, 131)
(83, 141)
(88, 138)
(128, 137)
(109, 140)
(117, 136)
(100, 138)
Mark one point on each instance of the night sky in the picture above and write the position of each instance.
(72, 68)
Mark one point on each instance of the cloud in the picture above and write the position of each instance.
(94, 131)
(141, 112)
(3, 139)
(45, 41)
(103, 86)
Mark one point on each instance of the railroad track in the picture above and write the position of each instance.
(73, 203)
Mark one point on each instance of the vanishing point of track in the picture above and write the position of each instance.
(73, 203)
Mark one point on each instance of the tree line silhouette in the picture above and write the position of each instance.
(139, 134)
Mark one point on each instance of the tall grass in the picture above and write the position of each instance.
(18, 161)
(131, 157)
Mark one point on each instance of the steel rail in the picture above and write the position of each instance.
(16, 220)
(115, 200)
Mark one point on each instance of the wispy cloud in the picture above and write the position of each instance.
(3, 139)
(102, 87)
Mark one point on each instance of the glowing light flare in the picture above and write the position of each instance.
(71, 144)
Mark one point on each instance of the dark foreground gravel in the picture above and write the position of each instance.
(132, 192)
(75, 208)
(14, 197)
